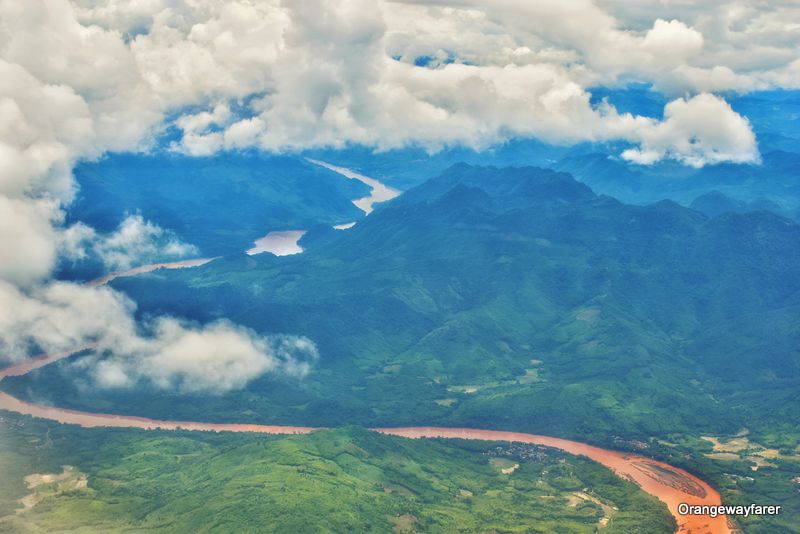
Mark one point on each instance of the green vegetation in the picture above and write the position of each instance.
(738, 482)
(346, 480)
(644, 321)
(511, 299)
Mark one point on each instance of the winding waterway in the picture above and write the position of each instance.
(380, 192)
(103, 280)
(671, 485)
(285, 242)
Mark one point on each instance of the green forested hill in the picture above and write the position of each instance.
(558, 310)
(347, 480)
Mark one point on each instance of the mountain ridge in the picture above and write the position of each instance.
(460, 283)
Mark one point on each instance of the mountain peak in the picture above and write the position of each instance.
(511, 187)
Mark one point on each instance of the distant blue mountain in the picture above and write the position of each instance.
(715, 204)
(774, 115)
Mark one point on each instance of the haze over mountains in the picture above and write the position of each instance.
(772, 184)
(525, 286)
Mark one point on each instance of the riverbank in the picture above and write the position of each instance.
(669, 484)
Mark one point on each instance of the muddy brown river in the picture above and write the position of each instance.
(669, 484)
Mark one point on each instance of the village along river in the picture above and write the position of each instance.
(670, 484)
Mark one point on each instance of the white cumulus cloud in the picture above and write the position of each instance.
(28, 244)
(137, 241)
(333, 73)
(165, 353)
(344, 73)
(698, 131)
(217, 358)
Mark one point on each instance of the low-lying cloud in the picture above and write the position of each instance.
(214, 359)
(136, 241)
(165, 353)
